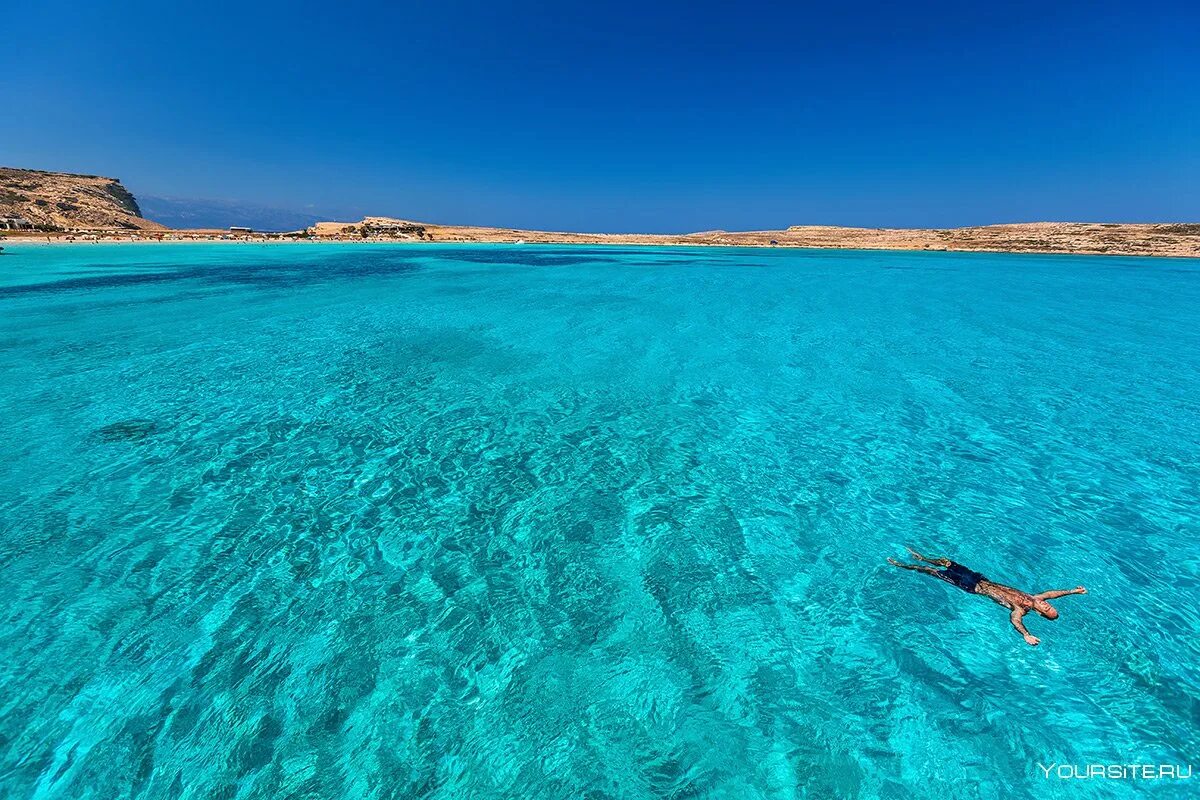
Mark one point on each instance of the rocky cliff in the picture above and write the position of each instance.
(56, 201)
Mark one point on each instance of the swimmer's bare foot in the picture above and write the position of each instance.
(913, 567)
(941, 562)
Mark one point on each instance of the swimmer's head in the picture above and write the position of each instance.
(1045, 609)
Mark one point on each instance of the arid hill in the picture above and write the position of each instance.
(61, 201)
(32, 201)
(1150, 239)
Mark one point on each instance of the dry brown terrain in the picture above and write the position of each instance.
(61, 201)
(61, 205)
(1161, 239)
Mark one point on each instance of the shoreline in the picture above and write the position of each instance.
(65, 207)
(1179, 240)
(608, 240)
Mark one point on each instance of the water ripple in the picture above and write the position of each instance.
(555, 522)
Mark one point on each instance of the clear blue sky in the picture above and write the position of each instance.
(621, 116)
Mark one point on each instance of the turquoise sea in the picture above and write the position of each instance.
(409, 521)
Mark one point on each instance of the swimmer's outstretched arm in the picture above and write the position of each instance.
(1015, 619)
(1060, 593)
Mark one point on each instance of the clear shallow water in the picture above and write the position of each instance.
(485, 521)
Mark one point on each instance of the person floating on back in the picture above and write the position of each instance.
(1021, 603)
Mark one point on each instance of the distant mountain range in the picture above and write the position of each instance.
(179, 212)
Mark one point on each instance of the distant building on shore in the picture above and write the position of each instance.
(235, 230)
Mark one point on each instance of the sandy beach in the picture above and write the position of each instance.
(1138, 239)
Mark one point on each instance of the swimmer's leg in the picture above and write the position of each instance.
(941, 562)
(916, 568)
